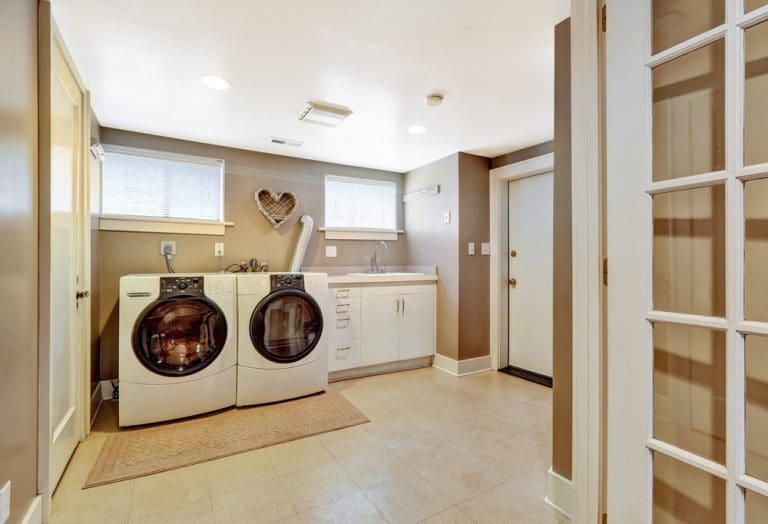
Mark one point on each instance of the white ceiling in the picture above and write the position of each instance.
(493, 60)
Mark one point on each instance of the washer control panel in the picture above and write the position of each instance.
(171, 286)
(290, 281)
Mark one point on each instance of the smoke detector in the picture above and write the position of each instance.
(285, 142)
(435, 99)
(324, 114)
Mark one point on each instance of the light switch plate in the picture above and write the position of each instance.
(485, 248)
(5, 502)
(330, 251)
(471, 248)
(447, 216)
(218, 249)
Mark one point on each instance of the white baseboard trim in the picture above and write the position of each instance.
(461, 368)
(559, 493)
(34, 514)
(106, 389)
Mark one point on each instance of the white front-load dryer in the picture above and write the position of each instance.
(282, 347)
(177, 346)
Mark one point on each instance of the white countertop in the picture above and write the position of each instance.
(382, 278)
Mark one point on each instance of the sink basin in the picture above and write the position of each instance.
(392, 274)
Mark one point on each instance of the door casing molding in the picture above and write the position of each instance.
(499, 216)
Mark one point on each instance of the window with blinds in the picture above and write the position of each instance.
(359, 203)
(155, 184)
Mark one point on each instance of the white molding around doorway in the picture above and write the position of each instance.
(499, 201)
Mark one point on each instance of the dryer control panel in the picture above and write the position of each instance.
(174, 286)
(290, 281)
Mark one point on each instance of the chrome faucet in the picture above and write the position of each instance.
(375, 267)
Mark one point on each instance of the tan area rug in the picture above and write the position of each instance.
(138, 452)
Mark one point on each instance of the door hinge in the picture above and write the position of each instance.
(604, 18)
(605, 271)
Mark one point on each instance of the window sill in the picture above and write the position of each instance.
(333, 233)
(162, 225)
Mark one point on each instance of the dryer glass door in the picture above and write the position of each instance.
(286, 326)
(180, 335)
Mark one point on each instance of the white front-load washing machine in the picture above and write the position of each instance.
(282, 348)
(177, 346)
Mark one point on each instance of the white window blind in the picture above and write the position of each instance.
(358, 203)
(145, 183)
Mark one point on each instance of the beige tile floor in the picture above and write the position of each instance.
(438, 449)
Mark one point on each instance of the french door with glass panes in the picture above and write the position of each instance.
(687, 219)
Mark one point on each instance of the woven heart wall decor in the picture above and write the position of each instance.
(278, 208)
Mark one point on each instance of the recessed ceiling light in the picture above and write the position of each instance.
(215, 82)
(417, 130)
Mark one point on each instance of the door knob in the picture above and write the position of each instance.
(513, 282)
(513, 253)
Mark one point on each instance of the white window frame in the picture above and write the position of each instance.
(149, 224)
(359, 233)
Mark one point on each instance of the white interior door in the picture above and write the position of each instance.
(687, 220)
(66, 379)
(530, 273)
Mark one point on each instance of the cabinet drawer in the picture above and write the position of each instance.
(341, 293)
(344, 326)
(343, 355)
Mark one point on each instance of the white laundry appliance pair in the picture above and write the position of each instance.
(195, 343)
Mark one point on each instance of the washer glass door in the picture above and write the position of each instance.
(286, 326)
(180, 335)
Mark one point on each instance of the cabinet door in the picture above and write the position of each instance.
(417, 325)
(379, 326)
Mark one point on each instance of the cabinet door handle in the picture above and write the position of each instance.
(397, 305)
(403, 305)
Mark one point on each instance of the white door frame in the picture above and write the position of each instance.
(587, 230)
(499, 216)
(49, 36)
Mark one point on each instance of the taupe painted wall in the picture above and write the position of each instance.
(462, 292)
(523, 154)
(562, 319)
(474, 270)
(18, 258)
(252, 236)
(430, 241)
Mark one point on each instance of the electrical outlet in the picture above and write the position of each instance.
(330, 251)
(5, 502)
(471, 248)
(447, 216)
(164, 243)
(218, 249)
(485, 248)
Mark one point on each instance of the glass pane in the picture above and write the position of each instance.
(756, 365)
(751, 5)
(180, 336)
(756, 95)
(688, 114)
(756, 250)
(287, 328)
(689, 389)
(676, 21)
(757, 508)
(689, 251)
(683, 494)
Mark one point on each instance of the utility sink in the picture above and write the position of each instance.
(391, 274)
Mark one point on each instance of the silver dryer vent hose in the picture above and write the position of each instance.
(301, 243)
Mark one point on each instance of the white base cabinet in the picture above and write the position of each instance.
(396, 322)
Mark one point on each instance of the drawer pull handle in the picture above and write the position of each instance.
(342, 293)
(345, 351)
(343, 319)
